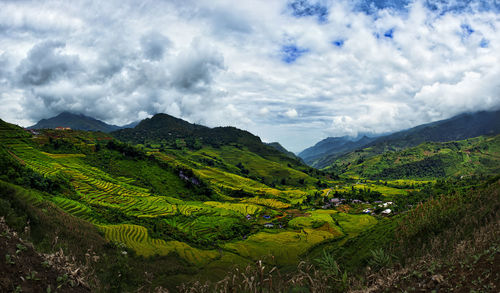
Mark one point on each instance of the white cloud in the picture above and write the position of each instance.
(292, 113)
(264, 111)
(217, 63)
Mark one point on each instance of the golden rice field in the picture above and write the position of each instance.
(137, 238)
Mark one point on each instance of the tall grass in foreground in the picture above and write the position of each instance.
(444, 221)
(260, 278)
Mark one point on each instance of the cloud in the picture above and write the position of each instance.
(290, 53)
(45, 63)
(347, 67)
(302, 8)
(263, 111)
(292, 113)
(196, 66)
(154, 45)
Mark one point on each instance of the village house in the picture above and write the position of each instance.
(335, 200)
(385, 204)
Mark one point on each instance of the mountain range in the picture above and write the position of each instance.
(79, 122)
(459, 127)
(189, 201)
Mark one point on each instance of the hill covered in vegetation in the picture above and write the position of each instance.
(460, 127)
(332, 146)
(474, 156)
(74, 121)
(155, 212)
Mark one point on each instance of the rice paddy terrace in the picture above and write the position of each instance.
(151, 203)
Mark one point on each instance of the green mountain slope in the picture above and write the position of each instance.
(173, 132)
(164, 132)
(75, 121)
(332, 146)
(280, 148)
(192, 203)
(456, 128)
(197, 210)
(480, 155)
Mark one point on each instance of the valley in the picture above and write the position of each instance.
(223, 201)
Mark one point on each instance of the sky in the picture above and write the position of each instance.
(293, 71)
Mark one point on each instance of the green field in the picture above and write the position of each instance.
(212, 207)
(135, 208)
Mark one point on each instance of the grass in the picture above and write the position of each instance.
(137, 238)
(352, 225)
(74, 208)
(258, 166)
(267, 202)
(479, 155)
(315, 219)
(282, 248)
(242, 208)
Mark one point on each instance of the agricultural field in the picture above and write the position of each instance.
(239, 221)
(199, 210)
(215, 208)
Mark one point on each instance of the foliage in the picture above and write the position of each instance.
(460, 127)
(380, 259)
(431, 160)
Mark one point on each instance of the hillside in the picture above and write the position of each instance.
(163, 131)
(456, 128)
(205, 206)
(76, 121)
(479, 156)
(279, 147)
(332, 146)
(195, 212)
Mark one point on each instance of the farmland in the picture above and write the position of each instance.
(210, 209)
(105, 189)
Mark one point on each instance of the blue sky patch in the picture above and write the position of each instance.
(338, 43)
(467, 29)
(303, 8)
(389, 33)
(484, 43)
(371, 6)
(290, 53)
(441, 6)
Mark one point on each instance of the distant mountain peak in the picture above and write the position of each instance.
(283, 150)
(76, 121)
(460, 127)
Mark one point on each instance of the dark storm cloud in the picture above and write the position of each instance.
(196, 67)
(45, 63)
(154, 45)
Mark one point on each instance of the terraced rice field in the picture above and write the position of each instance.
(200, 220)
(137, 238)
(242, 208)
(267, 202)
(75, 208)
(282, 247)
(314, 219)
